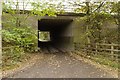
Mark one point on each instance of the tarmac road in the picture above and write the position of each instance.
(61, 65)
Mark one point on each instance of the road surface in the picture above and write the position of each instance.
(61, 65)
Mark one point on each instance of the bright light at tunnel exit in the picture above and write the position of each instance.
(44, 36)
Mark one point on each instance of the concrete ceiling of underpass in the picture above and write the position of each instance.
(50, 24)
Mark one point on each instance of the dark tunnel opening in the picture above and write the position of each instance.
(60, 33)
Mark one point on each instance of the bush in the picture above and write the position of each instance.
(16, 42)
(12, 56)
(25, 37)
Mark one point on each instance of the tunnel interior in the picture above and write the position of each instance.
(60, 33)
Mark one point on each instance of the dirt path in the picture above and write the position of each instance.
(61, 66)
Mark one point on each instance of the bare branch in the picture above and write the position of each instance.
(26, 5)
(116, 21)
(12, 15)
(99, 7)
(88, 8)
(76, 4)
(25, 18)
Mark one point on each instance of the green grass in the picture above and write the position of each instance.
(11, 64)
(101, 60)
(105, 61)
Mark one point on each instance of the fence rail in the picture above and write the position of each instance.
(110, 50)
(5, 47)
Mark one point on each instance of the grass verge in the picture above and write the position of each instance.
(100, 59)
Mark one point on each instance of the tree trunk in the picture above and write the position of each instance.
(0, 36)
(87, 22)
(118, 17)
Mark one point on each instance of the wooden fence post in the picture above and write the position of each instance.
(96, 46)
(112, 51)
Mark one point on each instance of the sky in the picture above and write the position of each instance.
(67, 7)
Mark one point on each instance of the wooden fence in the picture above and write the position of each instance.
(110, 50)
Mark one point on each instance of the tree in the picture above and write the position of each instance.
(37, 8)
(116, 11)
(0, 36)
(0, 25)
(96, 14)
(19, 33)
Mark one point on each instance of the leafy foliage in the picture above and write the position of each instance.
(16, 43)
(12, 56)
(24, 37)
(37, 9)
(42, 9)
(17, 33)
(100, 25)
(96, 21)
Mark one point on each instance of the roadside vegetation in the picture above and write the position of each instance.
(19, 39)
(98, 32)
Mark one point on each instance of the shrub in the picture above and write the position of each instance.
(16, 42)
(25, 37)
(12, 56)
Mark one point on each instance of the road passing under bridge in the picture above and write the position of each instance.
(61, 65)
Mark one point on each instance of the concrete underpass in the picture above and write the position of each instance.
(61, 64)
(60, 33)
